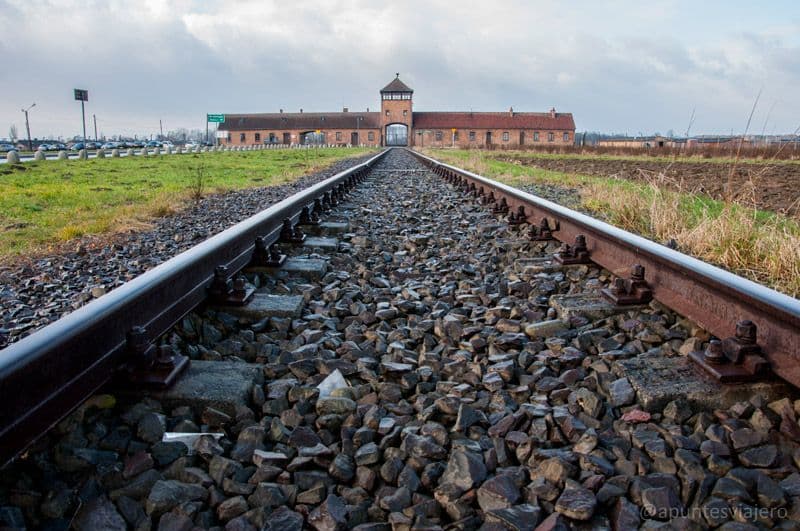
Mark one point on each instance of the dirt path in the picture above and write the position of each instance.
(767, 187)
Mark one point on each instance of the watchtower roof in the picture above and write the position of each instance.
(396, 86)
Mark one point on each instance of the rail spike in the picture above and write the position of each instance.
(501, 207)
(543, 233)
(574, 254)
(150, 365)
(308, 217)
(632, 291)
(291, 234)
(264, 256)
(519, 217)
(734, 359)
(224, 292)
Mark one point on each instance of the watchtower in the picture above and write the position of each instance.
(396, 113)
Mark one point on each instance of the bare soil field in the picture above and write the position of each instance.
(764, 186)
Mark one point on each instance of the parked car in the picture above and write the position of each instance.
(59, 146)
(167, 144)
(110, 145)
(5, 148)
(191, 144)
(93, 145)
(77, 146)
(154, 144)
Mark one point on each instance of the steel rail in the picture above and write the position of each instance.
(712, 297)
(44, 376)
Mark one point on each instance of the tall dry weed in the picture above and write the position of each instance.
(736, 238)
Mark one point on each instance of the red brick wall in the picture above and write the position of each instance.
(330, 136)
(428, 138)
(392, 113)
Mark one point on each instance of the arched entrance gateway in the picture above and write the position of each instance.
(312, 138)
(397, 135)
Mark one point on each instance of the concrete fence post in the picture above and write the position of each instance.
(115, 153)
(62, 155)
(130, 152)
(39, 155)
(83, 155)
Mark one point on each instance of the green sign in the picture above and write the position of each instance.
(216, 118)
(81, 95)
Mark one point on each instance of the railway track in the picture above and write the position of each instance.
(421, 359)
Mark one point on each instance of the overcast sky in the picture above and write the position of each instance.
(617, 66)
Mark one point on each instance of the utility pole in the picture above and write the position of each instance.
(161, 128)
(94, 118)
(28, 126)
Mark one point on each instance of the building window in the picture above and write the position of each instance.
(439, 136)
(505, 136)
(455, 135)
(229, 137)
(371, 136)
(338, 135)
(258, 137)
(242, 137)
(551, 137)
(272, 138)
(472, 136)
(536, 136)
(405, 112)
(566, 137)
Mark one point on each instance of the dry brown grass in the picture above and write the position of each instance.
(762, 248)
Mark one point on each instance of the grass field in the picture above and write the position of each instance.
(47, 203)
(744, 159)
(759, 245)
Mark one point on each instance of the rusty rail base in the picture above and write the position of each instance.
(713, 298)
(44, 376)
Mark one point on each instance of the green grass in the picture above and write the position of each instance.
(49, 202)
(526, 154)
(760, 245)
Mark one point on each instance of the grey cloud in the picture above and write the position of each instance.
(177, 60)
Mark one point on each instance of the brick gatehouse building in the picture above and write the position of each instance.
(397, 124)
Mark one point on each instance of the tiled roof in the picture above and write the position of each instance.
(303, 120)
(396, 86)
(494, 120)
